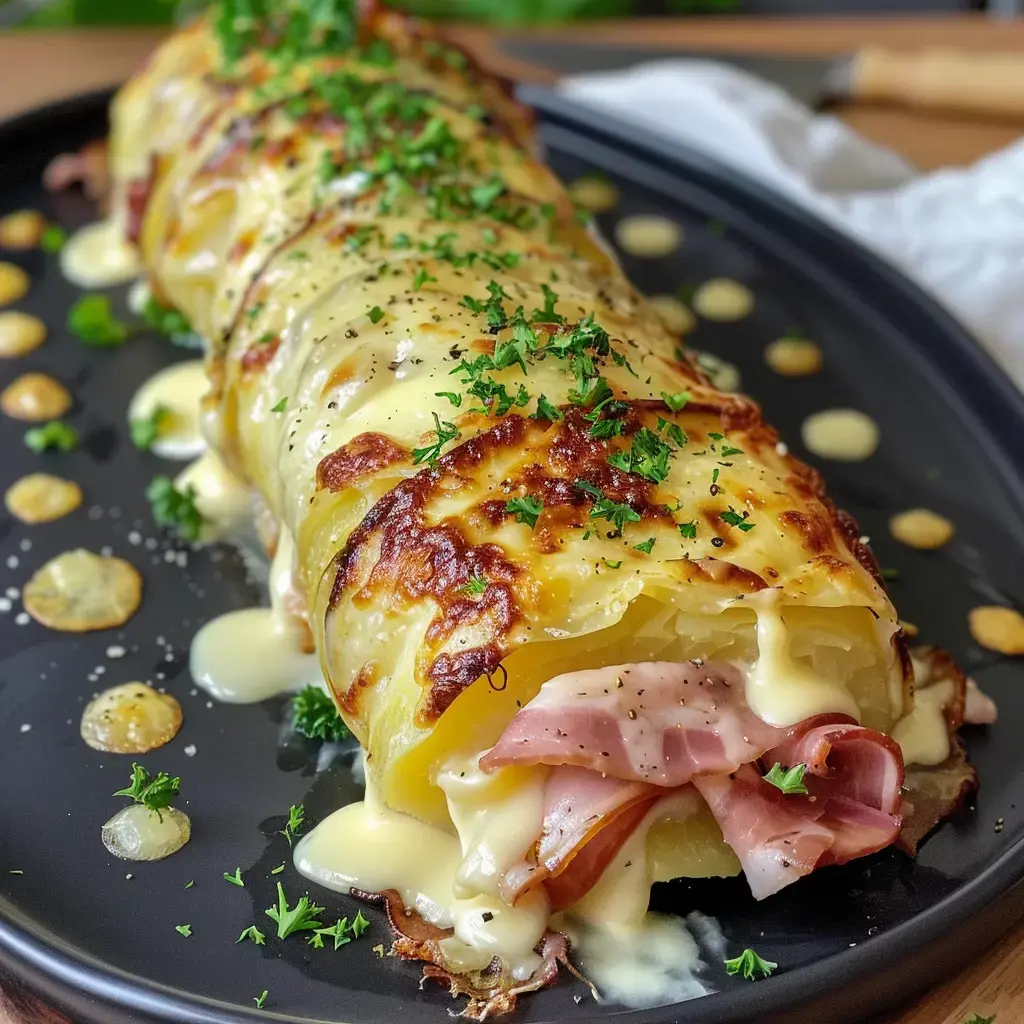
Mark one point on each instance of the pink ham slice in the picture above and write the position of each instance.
(853, 777)
(587, 818)
(656, 722)
(620, 738)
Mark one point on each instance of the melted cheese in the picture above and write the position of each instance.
(781, 689)
(250, 655)
(368, 846)
(98, 256)
(177, 389)
(922, 733)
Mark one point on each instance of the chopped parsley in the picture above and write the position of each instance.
(92, 320)
(165, 320)
(175, 509)
(315, 716)
(452, 396)
(431, 453)
(55, 435)
(646, 547)
(734, 518)
(547, 315)
(688, 531)
(302, 917)
(788, 780)
(296, 817)
(748, 963)
(889, 574)
(280, 406)
(146, 429)
(337, 932)
(375, 315)
(190, 883)
(153, 793)
(278, 869)
(476, 585)
(261, 999)
(53, 238)
(977, 1019)
(421, 278)
(546, 411)
(674, 432)
(183, 929)
(612, 565)
(359, 924)
(727, 449)
(677, 401)
(253, 934)
(646, 457)
(617, 513)
(527, 509)
(235, 879)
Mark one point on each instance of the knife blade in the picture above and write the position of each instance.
(967, 82)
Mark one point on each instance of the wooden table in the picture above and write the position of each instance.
(35, 68)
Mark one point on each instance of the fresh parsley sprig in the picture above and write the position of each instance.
(748, 963)
(789, 780)
(289, 920)
(175, 509)
(315, 716)
(154, 793)
(296, 817)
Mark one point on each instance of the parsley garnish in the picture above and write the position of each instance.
(647, 456)
(165, 319)
(726, 449)
(183, 929)
(453, 397)
(546, 411)
(431, 453)
(153, 793)
(748, 963)
(296, 816)
(146, 430)
(612, 565)
(527, 509)
(336, 931)
(280, 405)
(359, 924)
(617, 513)
(646, 547)
(253, 933)
(677, 401)
(278, 869)
(301, 917)
(889, 574)
(977, 1019)
(476, 584)
(547, 315)
(92, 319)
(315, 716)
(421, 278)
(688, 531)
(190, 883)
(235, 879)
(376, 315)
(674, 431)
(53, 238)
(789, 780)
(734, 518)
(173, 508)
(53, 435)
(261, 999)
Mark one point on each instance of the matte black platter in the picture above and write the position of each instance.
(849, 941)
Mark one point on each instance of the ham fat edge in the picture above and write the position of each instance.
(528, 531)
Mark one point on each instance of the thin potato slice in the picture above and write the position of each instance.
(14, 283)
(20, 334)
(997, 628)
(794, 357)
(22, 229)
(36, 398)
(723, 300)
(672, 313)
(137, 833)
(42, 498)
(921, 528)
(78, 592)
(594, 194)
(648, 235)
(130, 719)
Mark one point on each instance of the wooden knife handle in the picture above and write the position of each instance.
(941, 79)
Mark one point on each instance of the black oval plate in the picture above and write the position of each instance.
(849, 940)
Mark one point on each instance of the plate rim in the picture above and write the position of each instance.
(918, 949)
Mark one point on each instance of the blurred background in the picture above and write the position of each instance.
(503, 12)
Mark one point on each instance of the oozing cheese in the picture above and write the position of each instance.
(98, 255)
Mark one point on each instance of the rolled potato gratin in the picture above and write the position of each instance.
(593, 627)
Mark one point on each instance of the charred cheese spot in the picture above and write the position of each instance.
(365, 455)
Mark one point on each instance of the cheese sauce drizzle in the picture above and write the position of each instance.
(98, 256)
(177, 389)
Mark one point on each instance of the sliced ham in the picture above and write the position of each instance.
(853, 778)
(587, 818)
(657, 722)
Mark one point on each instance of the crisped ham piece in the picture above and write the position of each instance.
(656, 722)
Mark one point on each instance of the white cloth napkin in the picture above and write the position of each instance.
(959, 231)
